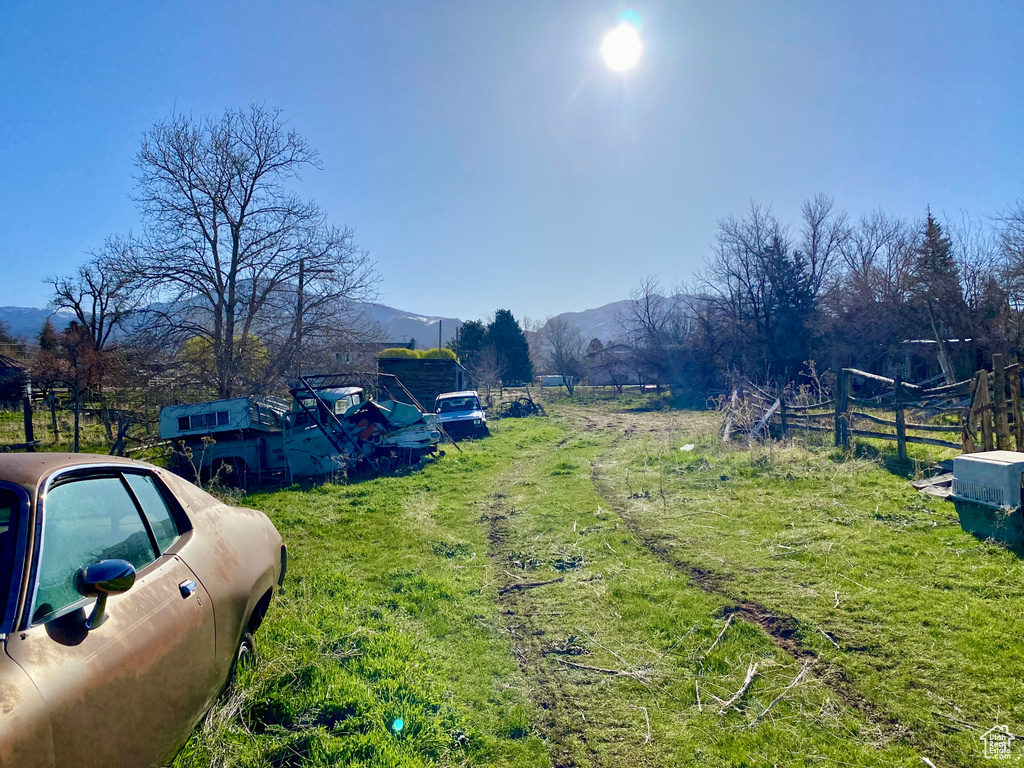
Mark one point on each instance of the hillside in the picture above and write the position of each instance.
(600, 322)
(398, 324)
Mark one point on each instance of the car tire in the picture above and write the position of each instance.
(244, 657)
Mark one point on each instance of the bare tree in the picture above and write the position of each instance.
(532, 330)
(825, 232)
(229, 252)
(872, 310)
(102, 294)
(652, 325)
(564, 348)
(488, 369)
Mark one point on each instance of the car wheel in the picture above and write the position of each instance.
(244, 657)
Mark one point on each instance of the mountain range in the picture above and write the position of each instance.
(398, 325)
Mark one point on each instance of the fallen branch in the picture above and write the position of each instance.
(647, 718)
(751, 674)
(777, 699)
(720, 634)
(696, 686)
(528, 585)
(602, 670)
(828, 637)
(677, 642)
(596, 642)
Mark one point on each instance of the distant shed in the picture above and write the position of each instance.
(13, 377)
(424, 378)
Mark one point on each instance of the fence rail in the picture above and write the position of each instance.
(987, 407)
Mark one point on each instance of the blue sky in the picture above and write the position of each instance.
(483, 152)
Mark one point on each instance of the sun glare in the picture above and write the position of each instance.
(621, 47)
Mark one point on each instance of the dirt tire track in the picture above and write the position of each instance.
(547, 689)
(784, 631)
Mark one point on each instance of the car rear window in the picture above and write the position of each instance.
(156, 509)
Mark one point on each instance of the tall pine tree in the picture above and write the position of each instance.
(505, 335)
(938, 290)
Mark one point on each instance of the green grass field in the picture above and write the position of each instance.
(578, 591)
(92, 435)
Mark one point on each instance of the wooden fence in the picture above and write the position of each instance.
(986, 407)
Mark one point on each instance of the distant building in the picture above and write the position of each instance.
(14, 375)
(917, 360)
(424, 378)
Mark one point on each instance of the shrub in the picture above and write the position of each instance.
(418, 354)
(398, 352)
(442, 353)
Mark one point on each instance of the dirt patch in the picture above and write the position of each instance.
(785, 631)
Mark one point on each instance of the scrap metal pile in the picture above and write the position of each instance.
(334, 427)
(330, 428)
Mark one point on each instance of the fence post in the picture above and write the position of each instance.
(782, 406)
(901, 424)
(967, 419)
(999, 401)
(842, 393)
(30, 435)
(984, 411)
(1013, 379)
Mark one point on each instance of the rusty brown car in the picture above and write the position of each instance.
(127, 598)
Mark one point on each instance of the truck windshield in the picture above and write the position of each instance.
(458, 404)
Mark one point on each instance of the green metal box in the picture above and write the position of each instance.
(988, 521)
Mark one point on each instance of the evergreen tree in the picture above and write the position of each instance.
(937, 288)
(472, 338)
(509, 340)
(48, 339)
(936, 273)
(790, 339)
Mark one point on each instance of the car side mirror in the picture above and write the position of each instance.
(107, 577)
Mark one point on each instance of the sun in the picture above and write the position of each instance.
(621, 47)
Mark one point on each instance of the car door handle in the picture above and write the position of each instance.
(187, 588)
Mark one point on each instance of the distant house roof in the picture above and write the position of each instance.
(379, 345)
(9, 363)
(932, 341)
(611, 349)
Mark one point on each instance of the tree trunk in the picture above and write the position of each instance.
(944, 362)
(299, 309)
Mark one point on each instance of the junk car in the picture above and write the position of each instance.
(128, 596)
(460, 414)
